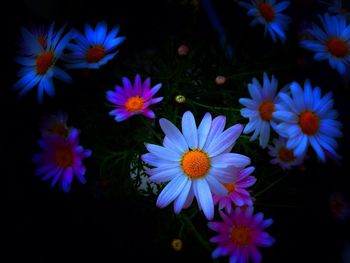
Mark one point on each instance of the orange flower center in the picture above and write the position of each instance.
(95, 54)
(337, 47)
(266, 109)
(42, 41)
(195, 164)
(241, 235)
(285, 154)
(64, 156)
(59, 129)
(44, 61)
(134, 104)
(309, 122)
(266, 11)
(230, 187)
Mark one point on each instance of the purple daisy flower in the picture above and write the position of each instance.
(133, 99)
(196, 161)
(239, 235)
(61, 159)
(282, 155)
(236, 190)
(55, 124)
(307, 118)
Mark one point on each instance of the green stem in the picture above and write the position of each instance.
(149, 126)
(213, 107)
(201, 240)
(271, 185)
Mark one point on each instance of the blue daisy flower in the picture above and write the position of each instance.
(197, 161)
(307, 118)
(95, 48)
(40, 67)
(268, 13)
(259, 109)
(332, 42)
(34, 39)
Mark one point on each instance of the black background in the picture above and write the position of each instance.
(46, 225)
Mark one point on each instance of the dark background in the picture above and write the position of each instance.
(90, 223)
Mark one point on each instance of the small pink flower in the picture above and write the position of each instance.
(133, 99)
(61, 159)
(239, 235)
(236, 190)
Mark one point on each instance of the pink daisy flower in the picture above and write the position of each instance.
(239, 235)
(133, 99)
(236, 190)
(61, 159)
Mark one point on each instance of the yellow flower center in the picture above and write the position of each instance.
(195, 164)
(241, 235)
(266, 109)
(44, 61)
(309, 122)
(337, 47)
(285, 154)
(230, 187)
(95, 54)
(134, 104)
(266, 11)
(64, 157)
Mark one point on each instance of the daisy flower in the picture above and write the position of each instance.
(40, 67)
(133, 99)
(307, 118)
(332, 42)
(196, 161)
(55, 124)
(336, 7)
(95, 48)
(61, 159)
(33, 38)
(236, 189)
(268, 13)
(259, 109)
(283, 156)
(239, 234)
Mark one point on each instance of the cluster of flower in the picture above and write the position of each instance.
(62, 155)
(43, 49)
(196, 162)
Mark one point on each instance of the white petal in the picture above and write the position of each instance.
(181, 199)
(203, 129)
(173, 134)
(171, 191)
(189, 129)
(204, 197)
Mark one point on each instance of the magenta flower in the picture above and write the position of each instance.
(133, 99)
(239, 235)
(236, 190)
(61, 159)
